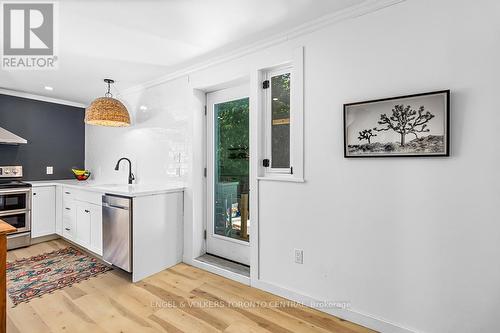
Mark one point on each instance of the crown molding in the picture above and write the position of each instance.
(40, 98)
(366, 7)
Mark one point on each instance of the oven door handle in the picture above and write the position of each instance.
(14, 191)
(14, 212)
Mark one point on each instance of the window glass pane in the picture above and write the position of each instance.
(232, 218)
(280, 126)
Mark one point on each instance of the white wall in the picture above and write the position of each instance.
(410, 241)
(158, 143)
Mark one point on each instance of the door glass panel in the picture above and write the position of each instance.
(280, 129)
(231, 166)
(12, 201)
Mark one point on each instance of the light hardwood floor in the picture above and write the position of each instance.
(110, 303)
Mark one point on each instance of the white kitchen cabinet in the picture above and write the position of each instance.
(43, 211)
(89, 226)
(163, 237)
(69, 220)
(83, 220)
(82, 215)
(79, 219)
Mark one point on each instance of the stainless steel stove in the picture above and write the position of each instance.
(15, 205)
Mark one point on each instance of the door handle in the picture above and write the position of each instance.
(11, 191)
(87, 211)
(14, 212)
(114, 206)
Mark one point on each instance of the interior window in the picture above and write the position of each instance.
(282, 121)
(280, 124)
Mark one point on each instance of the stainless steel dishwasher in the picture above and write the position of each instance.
(117, 231)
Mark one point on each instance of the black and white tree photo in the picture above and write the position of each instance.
(415, 125)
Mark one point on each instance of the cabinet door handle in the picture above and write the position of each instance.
(67, 229)
(68, 208)
(34, 193)
(67, 192)
(87, 211)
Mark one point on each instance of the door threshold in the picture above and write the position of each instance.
(223, 267)
(226, 264)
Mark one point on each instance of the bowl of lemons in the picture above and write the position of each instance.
(81, 174)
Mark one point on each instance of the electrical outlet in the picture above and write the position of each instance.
(50, 170)
(299, 256)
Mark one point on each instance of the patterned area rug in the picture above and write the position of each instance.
(28, 278)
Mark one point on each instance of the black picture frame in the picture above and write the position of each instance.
(446, 136)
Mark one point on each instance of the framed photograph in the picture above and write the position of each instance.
(404, 126)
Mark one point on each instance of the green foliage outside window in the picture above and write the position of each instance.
(232, 146)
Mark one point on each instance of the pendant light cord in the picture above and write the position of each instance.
(108, 93)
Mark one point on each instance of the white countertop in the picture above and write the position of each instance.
(134, 190)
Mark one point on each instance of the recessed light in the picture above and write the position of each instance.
(143, 107)
(49, 88)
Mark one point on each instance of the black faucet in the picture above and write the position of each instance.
(130, 174)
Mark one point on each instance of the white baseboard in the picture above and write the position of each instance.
(83, 249)
(43, 239)
(346, 314)
(362, 319)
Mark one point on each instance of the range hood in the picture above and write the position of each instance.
(10, 138)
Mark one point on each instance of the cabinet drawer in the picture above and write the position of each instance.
(67, 192)
(67, 197)
(69, 220)
(90, 197)
(70, 193)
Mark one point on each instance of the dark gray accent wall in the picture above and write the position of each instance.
(55, 134)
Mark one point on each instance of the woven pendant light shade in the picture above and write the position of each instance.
(107, 111)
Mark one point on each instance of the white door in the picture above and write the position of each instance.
(228, 217)
(43, 212)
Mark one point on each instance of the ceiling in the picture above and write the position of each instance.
(136, 41)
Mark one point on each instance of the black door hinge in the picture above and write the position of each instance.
(265, 163)
(205, 110)
(291, 170)
(205, 172)
(265, 84)
(204, 234)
